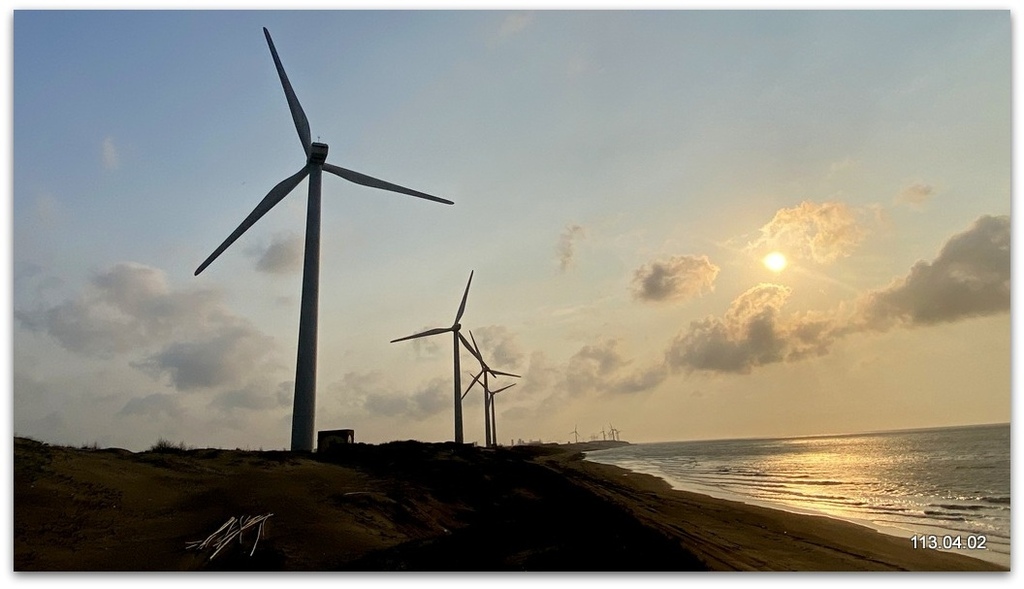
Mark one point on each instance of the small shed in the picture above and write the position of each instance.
(326, 439)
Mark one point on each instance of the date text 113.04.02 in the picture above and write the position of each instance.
(933, 542)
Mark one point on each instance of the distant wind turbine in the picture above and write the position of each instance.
(614, 432)
(456, 336)
(490, 439)
(304, 404)
(575, 433)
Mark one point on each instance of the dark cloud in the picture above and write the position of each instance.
(747, 335)
(226, 357)
(540, 374)
(916, 194)
(387, 404)
(753, 332)
(427, 400)
(282, 256)
(969, 278)
(499, 347)
(567, 246)
(602, 368)
(675, 279)
(822, 232)
(428, 348)
(153, 406)
(431, 398)
(255, 398)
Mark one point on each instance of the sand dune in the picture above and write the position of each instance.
(410, 506)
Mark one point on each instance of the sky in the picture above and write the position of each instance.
(618, 179)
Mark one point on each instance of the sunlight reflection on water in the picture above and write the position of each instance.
(940, 481)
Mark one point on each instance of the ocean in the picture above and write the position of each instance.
(952, 483)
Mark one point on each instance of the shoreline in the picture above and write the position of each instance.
(1003, 560)
(768, 538)
(411, 506)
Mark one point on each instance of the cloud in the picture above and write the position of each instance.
(188, 335)
(540, 374)
(224, 357)
(841, 166)
(427, 400)
(916, 194)
(127, 307)
(253, 398)
(969, 278)
(499, 347)
(111, 159)
(429, 347)
(676, 279)
(753, 332)
(47, 210)
(154, 405)
(513, 24)
(566, 246)
(601, 368)
(373, 394)
(282, 256)
(822, 232)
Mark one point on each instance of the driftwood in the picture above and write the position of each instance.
(234, 527)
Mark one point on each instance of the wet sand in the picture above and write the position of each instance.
(412, 506)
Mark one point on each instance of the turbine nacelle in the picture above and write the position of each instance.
(317, 153)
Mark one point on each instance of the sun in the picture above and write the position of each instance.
(775, 261)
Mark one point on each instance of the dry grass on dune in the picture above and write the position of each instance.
(408, 506)
(396, 506)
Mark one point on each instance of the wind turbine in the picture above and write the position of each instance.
(575, 433)
(304, 404)
(489, 422)
(494, 422)
(614, 432)
(456, 336)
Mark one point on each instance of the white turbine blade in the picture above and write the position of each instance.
(473, 338)
(472, 350)
(301, 122)
(476, 379)
(500, 373)
(462, 305)
(272, 198)
(502, 389)
(434, 331)
(372, 182)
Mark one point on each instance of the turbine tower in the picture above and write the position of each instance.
(575, 433)
(456, 336)
(304, 404)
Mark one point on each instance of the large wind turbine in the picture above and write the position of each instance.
(490, 438)
(456, 336)
(304, 406)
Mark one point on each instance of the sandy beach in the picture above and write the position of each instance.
(412, 506)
